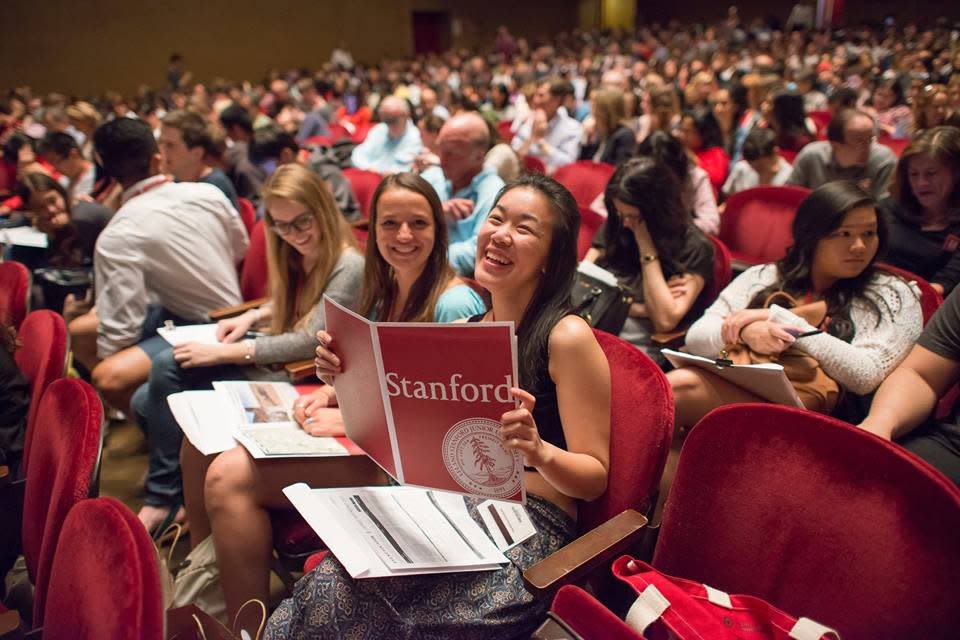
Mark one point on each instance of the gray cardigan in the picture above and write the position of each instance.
(344, 286)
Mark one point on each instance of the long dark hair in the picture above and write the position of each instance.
(551, 300)
(379, 283)
(67, 251)
(707, 126)
(664, 149)
(651, 187)
(817, 217)
(789, 113)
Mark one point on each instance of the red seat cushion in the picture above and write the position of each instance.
(14, 292)
(587, 617)
(60, 467)
(364, 183)
(254, 279)
(105, 580)
(584, 179)
(757, 223)
(248, 214)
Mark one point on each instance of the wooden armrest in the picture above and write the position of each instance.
(237, 309)
(361, 224)
(10, 626)
(5, 478)
(669, 337)
(578, 559)
(300, 370)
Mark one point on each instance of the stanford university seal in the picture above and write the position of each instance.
(474, 455)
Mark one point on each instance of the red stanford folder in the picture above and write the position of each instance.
(424, 400)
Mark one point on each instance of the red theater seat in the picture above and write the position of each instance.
(14, 292)
(248, 214)
(757, 223)
(254, 280)
(584, 179)
(532, 164)
(105, 579)
(60, 471)
(364, 183)
(42, 357)
(817, 517)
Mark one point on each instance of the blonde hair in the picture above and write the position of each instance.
(609, 110)
(295, 293)
(84, 113)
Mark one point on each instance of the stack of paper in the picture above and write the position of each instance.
(24, 237)
(391, 531)
(765, 380)
(257, 415)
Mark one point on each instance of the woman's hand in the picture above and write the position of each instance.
(232, 329)
(637, 225)
(323, 421)
(768, 338)
(307, 404)
(327, 363)
(519, 431)
(735, 323)
(195, 354)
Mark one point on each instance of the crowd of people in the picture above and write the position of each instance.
(142, 195)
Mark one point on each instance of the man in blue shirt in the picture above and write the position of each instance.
(550, 134)
(466, 187)
(392, 145)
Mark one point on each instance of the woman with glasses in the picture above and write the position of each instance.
(310, 252)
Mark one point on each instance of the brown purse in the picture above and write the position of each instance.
(818, 391)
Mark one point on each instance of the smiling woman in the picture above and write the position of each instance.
(924, 209)
(867, 320)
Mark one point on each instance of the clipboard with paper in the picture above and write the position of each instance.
(769, 381)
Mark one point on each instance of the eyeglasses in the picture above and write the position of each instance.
(301, 224)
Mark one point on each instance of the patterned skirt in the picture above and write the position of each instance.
(328, 603)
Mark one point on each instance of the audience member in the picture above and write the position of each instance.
(272, 147)
(761, 164)
(310, 254)
(866, 321)
(923, 212)
(549, 133)
(785, 115)
(465, 185)
(184, 140)
(701, 135)
(893, 115)
(657, 255)
(612, 141)
(62, 151)
(393, 144)
(930, 108)
(170, 253)
(564, 438)
(850, 152)
(406, 278)
(246, 177)
(905, 406)
(695, 189)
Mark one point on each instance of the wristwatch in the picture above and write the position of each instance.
(647, 258)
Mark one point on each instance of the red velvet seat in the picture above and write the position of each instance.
(757, 223)
(588, 618)
(364, 183)
(584, 179)
(42, 357)
(722, 269)
(821, 119)
(60, 469)
(930, 298)
(590, 221)
(14, 292)
(317, 141)
(818, 518)
(360, 134)
(254, 280)
(897, 146)
(337, 132)
(248, 214)
(533, 164)
(105, 580)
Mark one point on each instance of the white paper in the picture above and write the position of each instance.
(508, 523)
(204, 418)
(24, 237)
(590, 269)
(282, 441)
(260, 403)
(765, 380)
(390, 531)
(202, 333)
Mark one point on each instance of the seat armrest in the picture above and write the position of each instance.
(5, 478)
(10, 625)
(574, 562)
(300, 371)
(237, 309)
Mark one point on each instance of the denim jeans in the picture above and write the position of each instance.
(164, 485)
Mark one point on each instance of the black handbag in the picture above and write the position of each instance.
(604, 306)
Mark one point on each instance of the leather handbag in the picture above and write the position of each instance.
(818, 391)
(678, 609)
(598, 299)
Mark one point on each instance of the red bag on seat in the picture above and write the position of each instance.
(669, 608)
